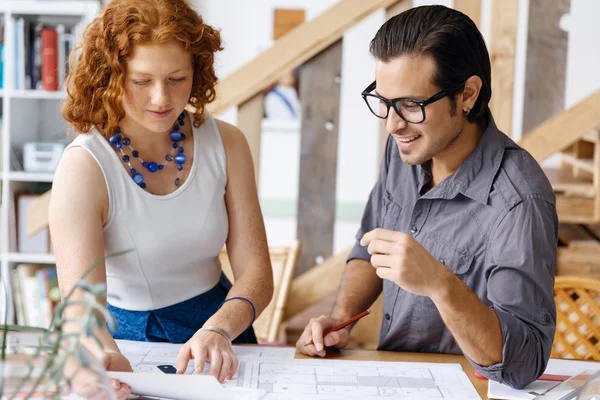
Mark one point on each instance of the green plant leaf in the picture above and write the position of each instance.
(4, 336)
(54, 337)
(25, 329)
(4, 330)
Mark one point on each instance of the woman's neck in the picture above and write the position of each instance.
(150, 145)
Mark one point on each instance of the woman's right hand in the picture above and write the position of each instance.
(211, 347)
(115, 361)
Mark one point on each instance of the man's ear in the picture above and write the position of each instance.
(470, 94)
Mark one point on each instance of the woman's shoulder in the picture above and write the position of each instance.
(232, 137)
(78, 183)
(77, 165)
(89, 139)
(237, 151)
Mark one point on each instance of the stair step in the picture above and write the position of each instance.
(585, 164)
(578, 236)
(563, 181)
(575, 210)
(592, 136)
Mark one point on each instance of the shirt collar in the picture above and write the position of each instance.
(476, 174)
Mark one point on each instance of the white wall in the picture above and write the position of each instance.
(246, 28)
(583, 57)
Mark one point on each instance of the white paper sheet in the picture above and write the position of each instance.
(144, 356)
(275, 371)
(316, 379)
(183, 387)
(555, 366)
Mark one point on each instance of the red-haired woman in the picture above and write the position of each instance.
(171, 185)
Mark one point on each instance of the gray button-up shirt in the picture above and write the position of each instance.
(494, 225)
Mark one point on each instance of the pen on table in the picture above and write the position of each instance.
(342, 325)
(544, 377)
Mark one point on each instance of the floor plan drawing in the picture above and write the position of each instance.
(284, 378)
(331, 379)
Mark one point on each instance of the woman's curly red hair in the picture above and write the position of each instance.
(96, 82)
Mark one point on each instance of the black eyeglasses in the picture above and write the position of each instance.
(410, 110)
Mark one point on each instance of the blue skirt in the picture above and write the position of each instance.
(176, 323)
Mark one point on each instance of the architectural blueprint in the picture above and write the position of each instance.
(283, 377)
(336, 379)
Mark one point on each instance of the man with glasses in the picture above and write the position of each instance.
(460, 231)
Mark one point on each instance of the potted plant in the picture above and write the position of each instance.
(61, 364)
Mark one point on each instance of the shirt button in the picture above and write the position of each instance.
(413, 229)
(442, 261)
(388, 316)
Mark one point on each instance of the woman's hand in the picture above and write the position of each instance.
(208, 346)
(115, 361)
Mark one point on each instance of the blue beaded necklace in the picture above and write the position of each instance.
(177, 137)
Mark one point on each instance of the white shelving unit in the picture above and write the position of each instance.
(28, 116)
(36, 94)
(22, 176)
(32, 258)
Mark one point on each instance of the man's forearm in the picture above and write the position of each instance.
(473, 324)
(359, 288)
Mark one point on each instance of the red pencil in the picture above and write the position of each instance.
(343, 324)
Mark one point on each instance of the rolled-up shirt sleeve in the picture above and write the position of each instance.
(522, 261)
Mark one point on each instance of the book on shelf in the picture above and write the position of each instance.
(41, 54)
(36, 294)
(49, 59)
(1, 54)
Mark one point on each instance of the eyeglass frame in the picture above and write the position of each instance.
(392, 102)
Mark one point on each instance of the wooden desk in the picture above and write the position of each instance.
(481, 385)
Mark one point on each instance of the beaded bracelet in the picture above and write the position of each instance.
(243, 299)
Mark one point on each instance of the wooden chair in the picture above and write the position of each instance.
(578, 318)
(283, 260)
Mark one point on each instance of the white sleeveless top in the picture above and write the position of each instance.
(175, 238)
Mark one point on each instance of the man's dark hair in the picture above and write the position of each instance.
(451, 39)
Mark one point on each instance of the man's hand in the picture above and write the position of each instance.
(208, 346)
(314, 331)
(401, 259)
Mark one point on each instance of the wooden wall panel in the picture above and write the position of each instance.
(250, 115)
(502, 49)
(320, 80)
(472, 8)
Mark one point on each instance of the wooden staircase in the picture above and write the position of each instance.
(574, 135)
(576, 181)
